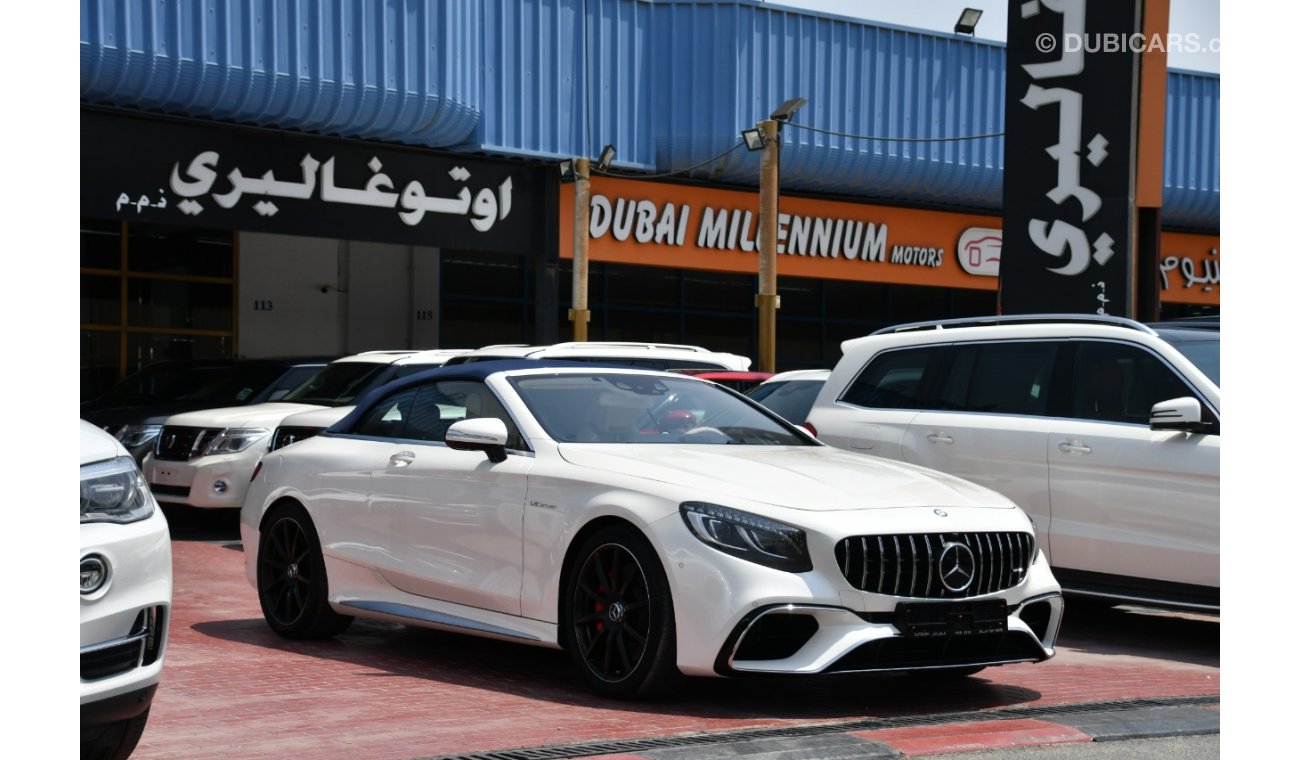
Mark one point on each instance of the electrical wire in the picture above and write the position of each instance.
(896, 139)
(634, 175)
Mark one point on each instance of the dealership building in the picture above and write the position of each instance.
(285, 178)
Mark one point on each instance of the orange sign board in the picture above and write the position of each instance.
(689, 227)
(1189, 268)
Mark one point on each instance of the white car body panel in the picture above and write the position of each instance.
(1118, 506)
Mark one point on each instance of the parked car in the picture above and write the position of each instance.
(135, 409)
(1104, 430)
(126, 597)
(204, 458)
(651, 523)
(651, 355)
(791, 394)
(302, 425)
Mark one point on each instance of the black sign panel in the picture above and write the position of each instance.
(210, 175)
(1067, 192)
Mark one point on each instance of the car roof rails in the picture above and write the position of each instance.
(631, 344)
(1017, 319)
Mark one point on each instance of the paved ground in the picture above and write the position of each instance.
(231, 689)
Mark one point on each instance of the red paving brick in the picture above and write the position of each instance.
(231, 689)
(980, 735)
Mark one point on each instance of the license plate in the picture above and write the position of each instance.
(951, 619)
(167, 477)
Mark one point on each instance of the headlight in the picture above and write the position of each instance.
(741, 534)
(114, 491)
(231, 440)
(134, 436)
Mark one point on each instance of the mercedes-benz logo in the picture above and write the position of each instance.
(616, 612)
(956, 567)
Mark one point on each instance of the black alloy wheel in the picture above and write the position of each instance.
(291, 583)
(620, 616)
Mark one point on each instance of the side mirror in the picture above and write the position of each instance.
(486, 434)
(1177, 414)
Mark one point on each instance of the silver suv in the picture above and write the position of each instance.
(1105, 430)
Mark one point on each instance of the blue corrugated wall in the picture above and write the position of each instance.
(669, 83)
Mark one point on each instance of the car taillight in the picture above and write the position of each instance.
(808, 426)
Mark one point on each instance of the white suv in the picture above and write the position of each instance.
(1105, 430)
(206, 458)
(302, 425)
(126, 596)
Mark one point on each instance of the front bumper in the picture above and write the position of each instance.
(124, 623)
(737, 617)
(211, 482)
(804, 639)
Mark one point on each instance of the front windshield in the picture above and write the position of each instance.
(603, 407)
(337, 385)
(166, 382)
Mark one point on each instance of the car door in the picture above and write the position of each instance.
(872, 414)
(452, 520)
(987, 421)
(1129, 502)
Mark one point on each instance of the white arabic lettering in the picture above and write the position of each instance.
(202, 169)
(1066, 149)
(1186, 266)
(1071, 61)
(488, 207)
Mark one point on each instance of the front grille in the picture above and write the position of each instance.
(179, 444)
(908, 564)
(287, 434)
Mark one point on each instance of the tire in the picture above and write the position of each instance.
(115, 741)
(618, 616)
(291, 582)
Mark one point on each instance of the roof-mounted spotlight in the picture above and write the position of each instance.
(606, 157)
(566, 171)
(754, 139)
(966, 23)
(786, 110)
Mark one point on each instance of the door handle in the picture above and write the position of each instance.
(938, 438)
(1074, 447)
(401, 459)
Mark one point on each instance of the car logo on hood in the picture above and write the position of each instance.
(940, 512)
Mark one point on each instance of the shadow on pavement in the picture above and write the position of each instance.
(549, 675)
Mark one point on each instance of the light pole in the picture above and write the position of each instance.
(579, 172)
(767, 136)
(579, 315)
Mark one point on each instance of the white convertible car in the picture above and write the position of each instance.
(650, 523)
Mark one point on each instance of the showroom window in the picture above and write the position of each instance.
(152, 292)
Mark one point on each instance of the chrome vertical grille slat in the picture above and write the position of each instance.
(911, 586)
(891, 564)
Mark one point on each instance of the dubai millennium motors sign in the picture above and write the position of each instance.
(690, 227)
(225, 177)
